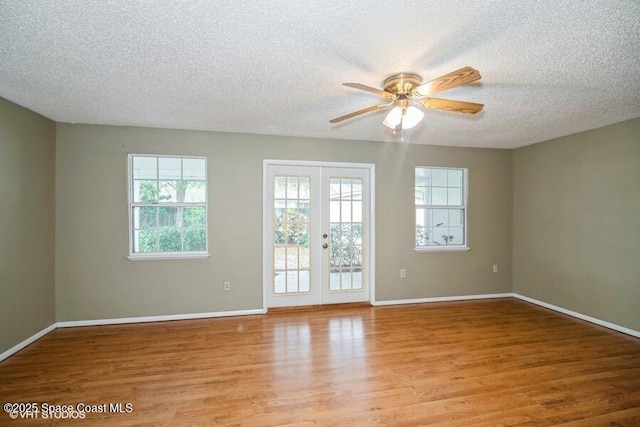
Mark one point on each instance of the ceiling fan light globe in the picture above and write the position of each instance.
(393, 118)
(412, 117)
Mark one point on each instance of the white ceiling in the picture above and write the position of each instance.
(550, 68)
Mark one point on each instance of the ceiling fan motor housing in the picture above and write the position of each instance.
(402, 83)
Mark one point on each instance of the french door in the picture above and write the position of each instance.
(317, 222)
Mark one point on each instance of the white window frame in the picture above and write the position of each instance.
(464, 206)
(132, 204)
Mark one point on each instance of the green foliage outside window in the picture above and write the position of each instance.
(168, 228)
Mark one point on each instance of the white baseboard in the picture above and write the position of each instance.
(442, 299)
(98, 322)
(16, 348)
(579, 315)
(145, 319)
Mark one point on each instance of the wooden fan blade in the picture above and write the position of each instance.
(452, 105)
(357, 113)
(448, 81)
(370, 89)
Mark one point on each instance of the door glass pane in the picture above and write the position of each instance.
(334, 279)
(305, 281)
(334, 189)
(280, 282)
(345, 240)
(357, 279)
(291, 234)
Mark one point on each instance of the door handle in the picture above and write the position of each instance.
(325, 246)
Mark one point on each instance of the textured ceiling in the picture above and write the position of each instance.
(549, 68)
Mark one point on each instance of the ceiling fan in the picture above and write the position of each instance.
(404, 90)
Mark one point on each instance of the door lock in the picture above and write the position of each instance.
(324, 236)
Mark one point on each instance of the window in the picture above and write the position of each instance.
(167, 206)
(441, 208)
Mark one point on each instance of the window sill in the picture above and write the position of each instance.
(443, 249)
(157, 257)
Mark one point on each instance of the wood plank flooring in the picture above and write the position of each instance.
(476, 363)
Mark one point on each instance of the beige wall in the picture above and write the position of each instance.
(575, 204)
(27, 154)
(577, 223)
(94, 279)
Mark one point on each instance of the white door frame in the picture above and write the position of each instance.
(266, 237)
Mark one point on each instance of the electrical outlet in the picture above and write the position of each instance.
(403, 273)
(495, 268)
(226, 286)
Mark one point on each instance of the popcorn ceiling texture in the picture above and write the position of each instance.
(550, 68)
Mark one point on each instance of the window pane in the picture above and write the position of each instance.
(439, 196)
(145, 217)
(170, 168)
(170, 240)
(346, 236)
(292, 281)
(145, 191)
(194, 169)
(145, 167)
(357, 189)
(305, 281)
(346, 212)
(304, 258)
(146, 241)
(168, 227)
(456, 236)
(168, 217)
(439, 177)
(454, 197)
(334, 188)
(292, 187)
(422, 235)
(423, 195)
(454, 178)
(169, 192)
(334, 211)
(334, 279)
(280, 286)
(194, 191)
(195, 217)
(420, 217)
(357, 212)
(280, 190)
(195, 240)
(357, 279)
(292, 258)
(280, 256)
(423, 177)
(357, 256)
(439, 235)
(304, 185)
(440, 217)
(346, 280)
(456, 217)
(346, 189)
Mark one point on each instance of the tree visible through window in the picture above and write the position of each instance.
(168, 205)
(441, 207)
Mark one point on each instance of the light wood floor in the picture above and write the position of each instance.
(476, 363)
